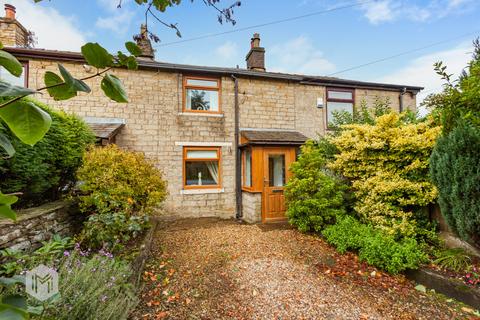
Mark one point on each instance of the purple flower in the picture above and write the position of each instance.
(66, 253)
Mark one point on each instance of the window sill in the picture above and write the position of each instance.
(202, 114)
(201, 191)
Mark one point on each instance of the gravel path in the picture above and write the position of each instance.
(215, 269)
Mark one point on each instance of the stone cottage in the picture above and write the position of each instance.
(224, 137)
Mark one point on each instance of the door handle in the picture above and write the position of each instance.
(277, 190)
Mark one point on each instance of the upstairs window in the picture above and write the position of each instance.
(201, 167)
(339, 100)
(21, 81)
(201, 94)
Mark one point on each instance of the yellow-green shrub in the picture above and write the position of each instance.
(388, 165)
(120, 189)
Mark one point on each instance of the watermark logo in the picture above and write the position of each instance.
(41, 282)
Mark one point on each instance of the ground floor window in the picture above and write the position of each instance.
(201, 167)
(247, 167)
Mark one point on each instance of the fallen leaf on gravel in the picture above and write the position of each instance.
(421, 288)
(161, 315)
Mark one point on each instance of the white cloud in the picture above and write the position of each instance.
(420, 71)
(298, 55)
(227, 51)
(378, 12)
(52, 29)
(119, 22)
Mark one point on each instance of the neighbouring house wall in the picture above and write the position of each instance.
(369, 96)
(157, 126)
(252, 207)
(12, 34)
(38, 224)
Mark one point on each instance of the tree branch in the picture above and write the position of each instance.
(52, 86)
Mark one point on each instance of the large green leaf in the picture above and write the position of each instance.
(8, 312)
(16, 279)
(96, 55)
(9, 90)
(113, 88)
(6, 145)
(74, 84)
(133, 48)
(59, 91)
(27, 121)
(16, 301)
(7, 212)
(10, 63)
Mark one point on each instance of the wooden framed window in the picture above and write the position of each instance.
(338, 100)
(202, 167)
(201, 94)
(247, 168)
(21, 81)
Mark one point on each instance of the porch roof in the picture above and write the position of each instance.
(276, 137)
(105, 128)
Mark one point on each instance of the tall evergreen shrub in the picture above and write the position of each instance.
(42, 172)
(455, 170)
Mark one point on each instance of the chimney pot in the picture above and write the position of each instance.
(10, 11)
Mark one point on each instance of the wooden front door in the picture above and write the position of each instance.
(276, 173)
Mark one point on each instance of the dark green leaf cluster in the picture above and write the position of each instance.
(455, 170)
(46, 170)
(460, 99)
(314, 196)
(375, 247)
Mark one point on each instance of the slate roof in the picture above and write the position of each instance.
(105, 130)
(239, 72)
(273, 137)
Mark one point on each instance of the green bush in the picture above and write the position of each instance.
(374, 246)
(13, 262)
(387, 164)
(45, 171)
(314, 197)
(120, 189)
(454, 167)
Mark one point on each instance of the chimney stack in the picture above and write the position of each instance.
(144, 44)
(10, 12)
(13, 33)
(256, 57)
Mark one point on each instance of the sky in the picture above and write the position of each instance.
(354, 33)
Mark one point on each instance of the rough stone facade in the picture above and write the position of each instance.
(157, 126)
(252, 207)
(38, 224)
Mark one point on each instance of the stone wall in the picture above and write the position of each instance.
(38, 224)
(252, 207)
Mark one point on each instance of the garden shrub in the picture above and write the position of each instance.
(374, 246)
(120, 189)
(388, 166)
(314, 197)
(362, 114)
(455, 164)
(46, 170)
(94, 287)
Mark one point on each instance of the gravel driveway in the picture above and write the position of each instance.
(217, 269)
